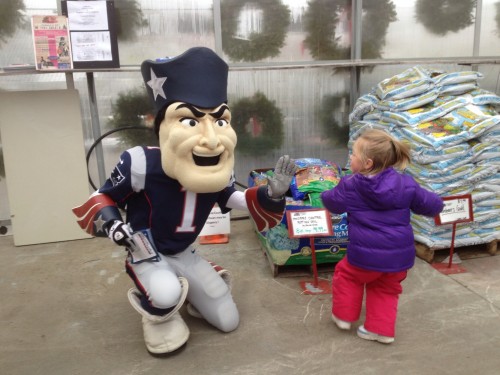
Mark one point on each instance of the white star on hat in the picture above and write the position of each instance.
(156, 83)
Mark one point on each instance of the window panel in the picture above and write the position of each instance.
(430, 28)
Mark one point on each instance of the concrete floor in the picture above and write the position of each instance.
(63, 310)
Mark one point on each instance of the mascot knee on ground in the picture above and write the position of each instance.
(168, 192)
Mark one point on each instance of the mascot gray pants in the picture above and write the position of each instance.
(167, 284)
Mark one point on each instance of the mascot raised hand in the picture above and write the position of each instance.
(168, 193)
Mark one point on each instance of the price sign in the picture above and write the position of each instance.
(309, 223)
(457, 209)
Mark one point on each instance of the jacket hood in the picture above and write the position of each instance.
(382, 191)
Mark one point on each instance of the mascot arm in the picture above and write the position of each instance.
(265, 211)
(279, 182)
(97, 215)
(266, 204)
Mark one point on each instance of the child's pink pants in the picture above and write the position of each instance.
(382, 295)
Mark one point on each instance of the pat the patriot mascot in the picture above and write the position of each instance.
(168, 193)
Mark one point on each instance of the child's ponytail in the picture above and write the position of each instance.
(401, 153)
(384, 150)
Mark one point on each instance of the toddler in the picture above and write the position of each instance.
(378, 200)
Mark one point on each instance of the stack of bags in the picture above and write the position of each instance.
(453, 129)
(312, 178)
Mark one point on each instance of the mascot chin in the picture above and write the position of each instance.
(168, 193)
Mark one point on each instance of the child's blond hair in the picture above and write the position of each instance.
(383, 149)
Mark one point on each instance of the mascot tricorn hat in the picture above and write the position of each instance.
(197, 77)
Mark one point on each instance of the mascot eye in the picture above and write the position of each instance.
(221, 122)
(189, 121)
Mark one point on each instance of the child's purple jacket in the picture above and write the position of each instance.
(378, 208)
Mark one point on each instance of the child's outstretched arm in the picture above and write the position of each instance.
(335, 200)
(426, 202)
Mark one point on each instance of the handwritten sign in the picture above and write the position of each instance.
(457, 209)
(309, 223)
(217, 223)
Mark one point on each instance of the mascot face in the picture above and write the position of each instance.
(197, 146)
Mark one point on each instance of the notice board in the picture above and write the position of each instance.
(92, 28)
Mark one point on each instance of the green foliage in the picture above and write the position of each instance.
(260, 110)
(378, 15)
(11, 18)
(322, 17)
(134, 108)
(320, 20)
(259, 45)
(129, 18)
(330, 105)
(443, 16)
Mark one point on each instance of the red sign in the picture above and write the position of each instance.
(457, 209)
(309, 223)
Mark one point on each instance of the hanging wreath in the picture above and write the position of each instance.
(330, 106)
(442, 16)
(134, 108)
(258, 124)
(11, 19)
(129, 18)
(322, 17)
(256, 46)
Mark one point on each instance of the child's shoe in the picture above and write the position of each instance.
(342, 324)
(367, 335)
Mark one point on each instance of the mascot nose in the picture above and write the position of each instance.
(209, 138)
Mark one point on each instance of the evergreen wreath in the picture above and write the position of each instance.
(442, 16)
(134, 108)
(323, 15)
(11, 18)
(259, 45)
(129, 18)
(331, 104)
(260, 113)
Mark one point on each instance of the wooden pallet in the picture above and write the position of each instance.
(429, 255)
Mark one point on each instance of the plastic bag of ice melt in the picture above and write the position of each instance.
(425, 155)
(440, 175)
(482, 97)
(362, 106)
(453, 78)
(411, 82)
(407, 103)
(457, 89)
(438, 133)
(438, 108)
(359, 127)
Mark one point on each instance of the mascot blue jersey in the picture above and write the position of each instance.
(154, 201)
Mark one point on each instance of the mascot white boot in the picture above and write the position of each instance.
(162, 333)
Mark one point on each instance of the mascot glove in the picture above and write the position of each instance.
(120, 233)
(284, 171)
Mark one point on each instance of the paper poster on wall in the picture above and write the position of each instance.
(51, 42)
(93, 33)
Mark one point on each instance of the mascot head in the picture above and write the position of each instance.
(193, 121)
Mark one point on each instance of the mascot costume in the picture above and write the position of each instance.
(168, 193)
